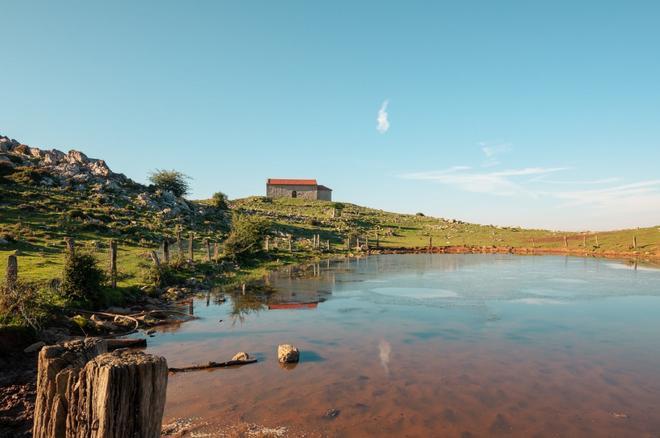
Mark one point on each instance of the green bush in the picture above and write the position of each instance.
(162, 276)
(82, 279)
(246, 236)
(219, 200)
(172, 180)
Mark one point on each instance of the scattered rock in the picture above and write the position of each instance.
(34, 347)
(331, 414)
(287, 353)
(241, 356)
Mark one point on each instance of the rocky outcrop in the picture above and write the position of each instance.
(75, 170)
(64, 169)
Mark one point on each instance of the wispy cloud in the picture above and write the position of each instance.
(501, 183)
(383, 120)
(634, 197)
(492, 151)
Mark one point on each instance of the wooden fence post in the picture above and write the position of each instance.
(267, 243)
(597, 245)
(366, 242)
(179, 242)
(327, 244)
(113, 263)
(191, 254)
(207, 244)
(216, 251)
(634, 242)
(430, 242)
(166, 251)
(584, 240)
(290, 245)
(533, 244)
(377, 240)
(70, 246)
(12, 271)
(348, 243)
(155, 259)
(565, 242)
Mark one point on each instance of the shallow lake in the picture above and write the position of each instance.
(428, 345)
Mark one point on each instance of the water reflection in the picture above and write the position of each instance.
(488, 344)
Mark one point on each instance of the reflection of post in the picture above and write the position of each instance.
(377, 240)
(191, 309)
(208, 298)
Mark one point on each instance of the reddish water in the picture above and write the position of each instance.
(443, 345)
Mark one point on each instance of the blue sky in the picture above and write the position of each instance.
(543, 114)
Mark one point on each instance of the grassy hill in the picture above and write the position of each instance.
(394, 230)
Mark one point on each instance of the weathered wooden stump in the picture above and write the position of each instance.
(82, 391)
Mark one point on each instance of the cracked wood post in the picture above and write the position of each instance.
(70, 246)
(166, 251)
(113, 263)
(191, 254)
(83, 392)
(207, 244)
(12, 271)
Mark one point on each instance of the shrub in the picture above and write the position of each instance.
(219, 200)
(246, 236)
(172, 180)
(162, 276)
(82, 279)
(420, 214)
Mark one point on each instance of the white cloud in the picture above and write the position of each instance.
(492, 151)
(383, 121)
(501, 183)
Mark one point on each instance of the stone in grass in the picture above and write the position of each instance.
(287, 353)
(242, 356)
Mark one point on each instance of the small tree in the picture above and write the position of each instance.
(219, 200)
(172, 180)
(82, 279)
(246, 236)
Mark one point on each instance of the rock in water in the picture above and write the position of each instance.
(287, 353)
(242, 356)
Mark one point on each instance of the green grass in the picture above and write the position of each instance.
(305, 217)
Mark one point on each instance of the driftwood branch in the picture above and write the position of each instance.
(211, 365)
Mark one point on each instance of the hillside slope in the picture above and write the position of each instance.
(47, 195)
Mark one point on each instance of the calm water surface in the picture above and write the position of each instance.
(430, 345)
